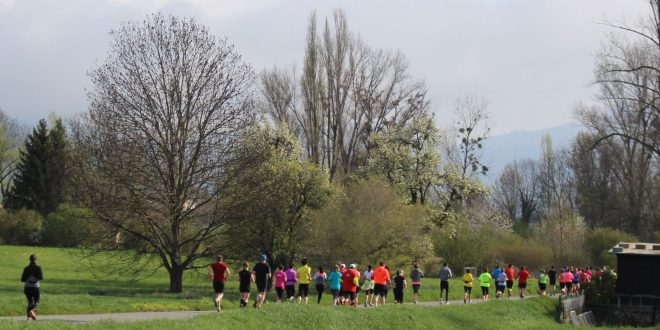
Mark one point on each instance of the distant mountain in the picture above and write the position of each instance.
(502, 149)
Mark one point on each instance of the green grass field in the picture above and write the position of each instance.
(70, 288)
(530, 314)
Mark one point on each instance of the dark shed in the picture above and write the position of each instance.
(638, 268)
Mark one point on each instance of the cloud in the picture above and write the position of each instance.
(210, 8)
(6, 4)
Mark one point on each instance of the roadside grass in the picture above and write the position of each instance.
(535, 313)
(70, 287)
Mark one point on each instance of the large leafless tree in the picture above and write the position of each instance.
(347, 92)
(156, 151)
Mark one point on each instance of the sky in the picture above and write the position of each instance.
(531, 59)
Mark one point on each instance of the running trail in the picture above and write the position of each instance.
(147, 316)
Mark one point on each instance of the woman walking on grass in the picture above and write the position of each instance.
(290, 284)
(245, 278)
(280, 279)
(399, 285)
(416, 279)
(467, 286)
(335, 284)
(484, 282)
(368, 285)
(32, 274)
(319, 279)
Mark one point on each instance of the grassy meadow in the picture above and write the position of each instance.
(72, 286)
(529, 314)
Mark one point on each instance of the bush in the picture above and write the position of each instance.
(68, 226)
(21, 227)
(601, 289)
(600, 240)
(465, 247)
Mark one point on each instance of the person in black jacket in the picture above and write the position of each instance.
(31, 276)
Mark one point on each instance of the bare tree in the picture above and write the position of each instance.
(517, 190)
(156, 151)
(348, 92)
(628, 72)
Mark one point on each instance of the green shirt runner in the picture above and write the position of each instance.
(484, 280)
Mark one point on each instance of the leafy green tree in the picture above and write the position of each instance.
(369, 222)
(598, 241)
(41, 171)
(408, 158)
(272, 216)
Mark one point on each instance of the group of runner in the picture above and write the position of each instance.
(344, 283)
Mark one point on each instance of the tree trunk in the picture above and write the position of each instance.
(176, 279)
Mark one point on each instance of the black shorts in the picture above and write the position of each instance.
(335, 293)
(522, 285)
(500, 288)
(219, 287)
(484, 290)
(509, 284)
(349, 295)
(261, 286)
(553, 282)
(444, 285)
(380, 289)
(280, 292)
(290, 290)
(467, 289)
(303, 290)
(244, 288)
(416, 288)
(542, 286)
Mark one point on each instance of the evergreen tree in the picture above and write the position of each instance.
(40, 174)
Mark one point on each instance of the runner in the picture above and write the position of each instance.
(335, 284)
(416, 279)
(552, 279)
(523, 276)
(543, 282)
(280, 280)
(576, 281)
(496, 273)
(245, 277)
(368, 286)
(290, 284)
(349, 283)
(467, 286)
(319, 279)
(444, 274)
(32, 274)
(399, 285)
(566, 281)
(484, 282)
(342, 270)
(510, 272)
(304, 278)
(261, 278)
(218, 273)
(500, 284)
(381, 280)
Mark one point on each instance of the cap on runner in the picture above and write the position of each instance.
(263, 257)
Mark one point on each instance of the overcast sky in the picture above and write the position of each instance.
(530, 59)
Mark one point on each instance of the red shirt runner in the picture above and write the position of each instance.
(347, 281)
(523, 275)
(509, 273)
(219, 269)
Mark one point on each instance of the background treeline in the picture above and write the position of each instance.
(185, 152)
